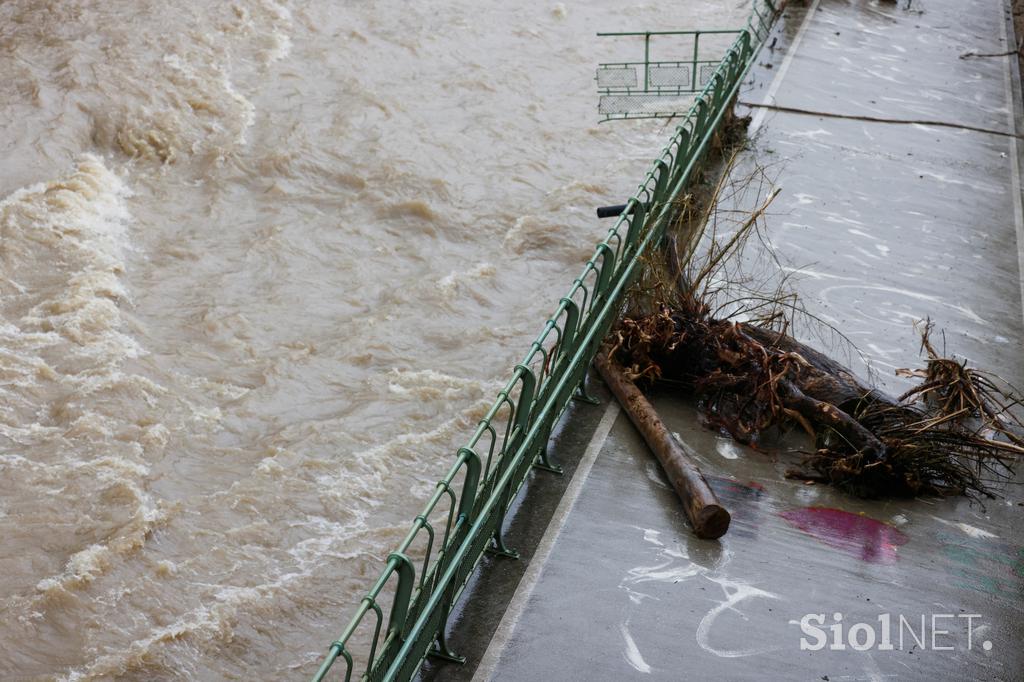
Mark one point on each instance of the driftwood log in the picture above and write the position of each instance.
(708, 518)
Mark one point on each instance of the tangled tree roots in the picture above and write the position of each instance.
(942, 437)
(954, 433)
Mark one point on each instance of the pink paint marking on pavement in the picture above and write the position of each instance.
(859, 536)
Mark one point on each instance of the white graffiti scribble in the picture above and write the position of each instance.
(735, 592)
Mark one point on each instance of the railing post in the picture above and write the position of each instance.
(468, 498)
(572, 320)
(400, 607)
(647, 58)
(662, 181)
(635, 215)
(525, 398)
(604, 275)
(696, 56)
(637, 219)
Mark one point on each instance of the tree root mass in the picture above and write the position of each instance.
(954, 433)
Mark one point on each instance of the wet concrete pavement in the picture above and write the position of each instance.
(627, 592)
(887, 223)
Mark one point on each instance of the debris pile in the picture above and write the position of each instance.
(956, 432)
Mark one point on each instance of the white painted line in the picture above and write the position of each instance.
(769, 97)
(515, 609)
(1018, 207)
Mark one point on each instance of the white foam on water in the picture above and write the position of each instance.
(64, 244)
(430, 384)
(449, 284)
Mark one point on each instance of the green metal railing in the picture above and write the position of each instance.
(653, 89)
(666, 88)
(469, 504)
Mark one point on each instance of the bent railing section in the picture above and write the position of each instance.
(663, 88)
(425, 575)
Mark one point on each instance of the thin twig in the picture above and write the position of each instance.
(967, 55)
(725, 250)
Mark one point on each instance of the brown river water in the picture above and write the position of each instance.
(262, 268)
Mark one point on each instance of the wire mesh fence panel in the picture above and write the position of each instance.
(671, 75)
(616, 76)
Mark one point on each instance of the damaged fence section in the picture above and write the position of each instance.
(676, 67)
(424, 576)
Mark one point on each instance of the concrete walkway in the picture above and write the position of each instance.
(890, 222)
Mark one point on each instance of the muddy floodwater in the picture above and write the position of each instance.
(262, 267)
